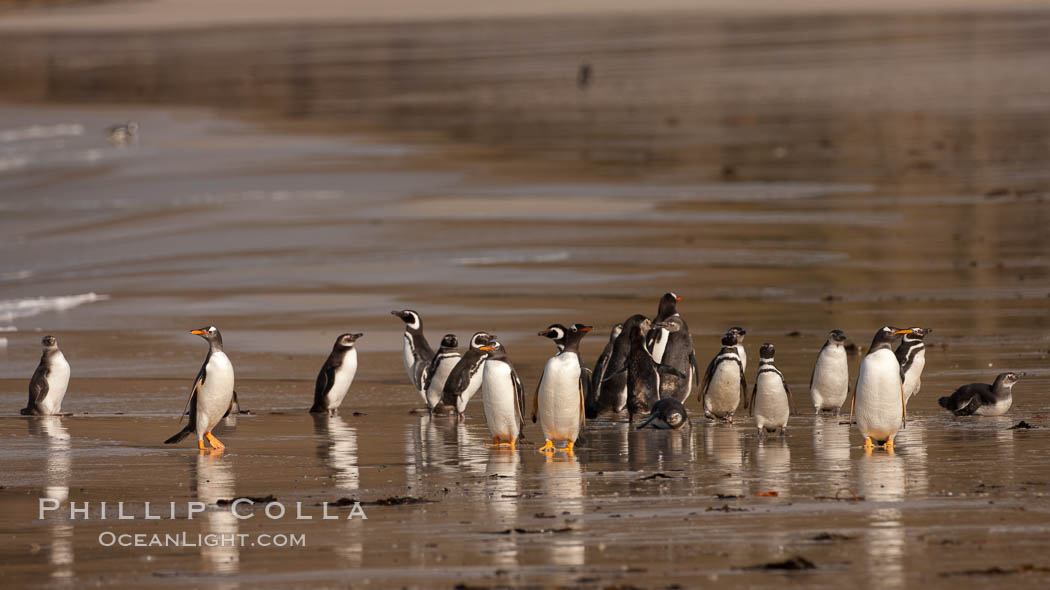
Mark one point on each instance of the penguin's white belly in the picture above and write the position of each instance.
(216, 393)
(437, 381)
(830, 379)
(742, 354)
(660, 345)
(912, 379)
(472, 387)
(997, 409)
(344, 378)
(57, 383)
(723, 393)
(559, 402)
(879, 408)
(771, 402)
(500, 399)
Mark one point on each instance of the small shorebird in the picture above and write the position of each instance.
(125, 134)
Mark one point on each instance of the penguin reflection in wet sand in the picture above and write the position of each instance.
(771, 397)
(557, 333)
(503, 396)
(878, 399)
(212, 393)
(559, 397)
(48, 385)
(679, 356)
(336, 376)
(981, 399)
(829, 383)
(415, 350)
(668, 414)
(436, 373)
(724, 384)
(465, 378)
(911, 354)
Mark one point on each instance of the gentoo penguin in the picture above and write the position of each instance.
(336, 376)
(465, 378)
(829, 383)
(212, 392)
(878, 398)
(436, 372)
(612, 393)
(771, 397)
(668, 414)
(49, 383)
(123, 134)
(557, 333)
(680, 356)
(559, 396)
(911, 354)
(503, 396)
(415, 351)
(981, 399)
(739, 334)
(656, 338)
(600, 365)
(724, 384)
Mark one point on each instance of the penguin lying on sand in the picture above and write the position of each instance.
(667, 414)
(981, 399)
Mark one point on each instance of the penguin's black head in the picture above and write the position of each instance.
(767, 351)
(917, 334)
(672, 412)
(668, 305)
(481, 339)
(347, 340)
(582, 328)
(49, 341)
(837, 336)
(885, 337)
(210, 333)
(411, 318)
(738, 332)
(729, 339)
(449, 341)
(1006, 380)
(555, 332)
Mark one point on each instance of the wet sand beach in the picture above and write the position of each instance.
(786, 173)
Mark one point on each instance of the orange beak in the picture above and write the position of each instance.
(198, 332)
(903, 332)
(487, 348)
(586, 329)
(677, 298)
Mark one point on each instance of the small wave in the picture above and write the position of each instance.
(41, 132)
(15, 275)
(510, 258)
(12, 309)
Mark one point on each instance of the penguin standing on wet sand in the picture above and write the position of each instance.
(212, 393)
(465, 378)
(557, 333)
(643, 375)
(336, 376)
(612, 392)
(503, 396)
(981, 399)
(47, 387)
(724, 383)
(911, 354)
(668, 414)
(436, 373)
(415, 351)
(829, 383)
(878, 398)
(680, 356)
(656, 338)
(559, 396)
(771, 397)
(738, 334)
(600, 365)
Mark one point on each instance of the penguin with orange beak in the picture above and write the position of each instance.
(878, 398)
(211, 395)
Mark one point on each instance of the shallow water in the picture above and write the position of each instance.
(787, 176)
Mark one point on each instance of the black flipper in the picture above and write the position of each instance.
(696, 368)
(38, 389)
(743, 383)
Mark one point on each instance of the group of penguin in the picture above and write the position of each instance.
(647, 371)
